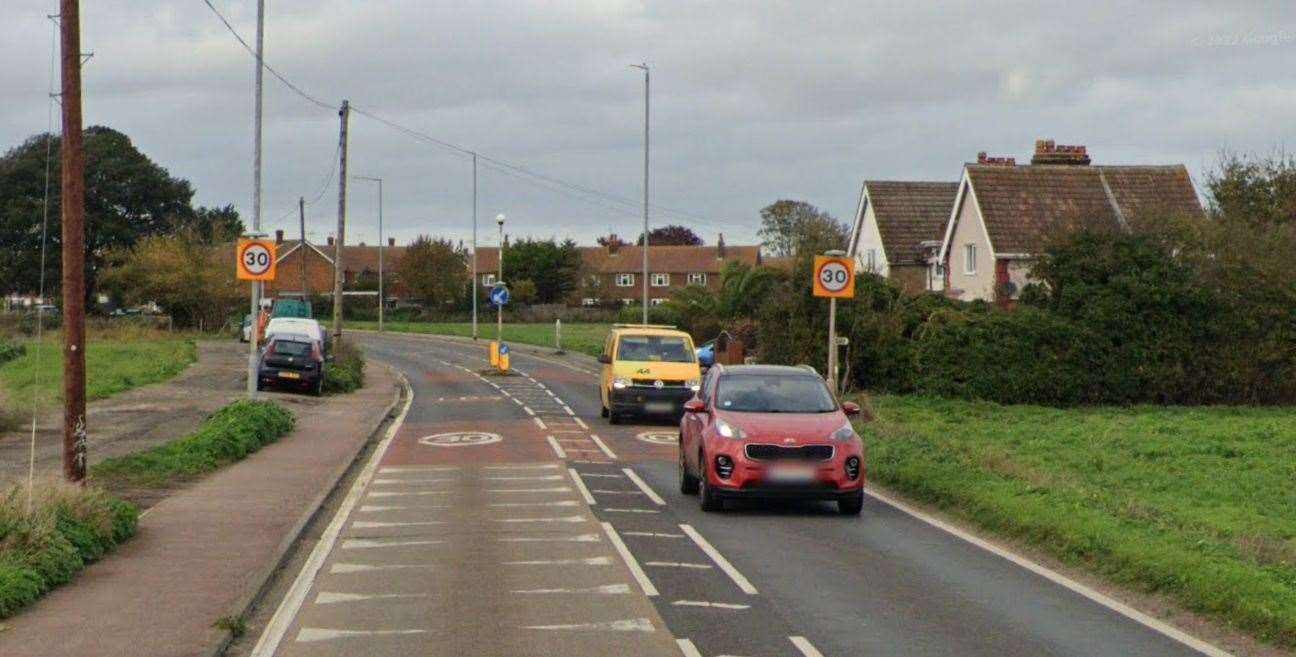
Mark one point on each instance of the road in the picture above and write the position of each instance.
(506, 518)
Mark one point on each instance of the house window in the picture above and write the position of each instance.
(656, 302)
(661, 280)
(871, 260)
(488, 279)
(625, 280)
(589, 301)
(697, 278)
(595, 280)
(627, 302)
(969, 259)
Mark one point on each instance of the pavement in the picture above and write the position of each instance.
(502, 516)
(206, 551)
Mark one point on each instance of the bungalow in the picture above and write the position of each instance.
(1004, 214)
(898, 231)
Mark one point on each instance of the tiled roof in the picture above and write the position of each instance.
(666, 259)
(908, 214)
(354, 256)
(1022, 206)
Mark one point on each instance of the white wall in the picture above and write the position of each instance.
(968, 229)
(869, 239)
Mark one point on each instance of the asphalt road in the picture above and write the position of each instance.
(506, 518)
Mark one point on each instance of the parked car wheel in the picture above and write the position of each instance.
(688, 483)
(708, 497)
(851, 506)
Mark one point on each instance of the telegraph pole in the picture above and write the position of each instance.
(338, 270)
(301, 219)
(73, 208)
(644, 66)
(474, 248)
(256, 199)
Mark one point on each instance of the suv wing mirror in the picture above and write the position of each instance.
(695, 406)
(605, 359)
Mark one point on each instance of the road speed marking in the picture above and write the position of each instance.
(659, 437)
(460, 439)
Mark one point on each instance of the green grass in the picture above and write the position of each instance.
(112, 366)
(576, 337)
(229, 435)
(1195, 503)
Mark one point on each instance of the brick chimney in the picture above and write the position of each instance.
(279, 236)
(613, 244)
(1047, 152)
(330, 240)
(391, 241)
(720, 247)
(982, 158)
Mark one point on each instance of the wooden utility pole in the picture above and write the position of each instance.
(338, 267)
(73, 209)
(301, 216)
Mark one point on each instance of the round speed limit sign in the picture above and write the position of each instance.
(834, 277)
(256, 260)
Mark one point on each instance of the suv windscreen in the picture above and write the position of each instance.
(773, 393)
(655, 348)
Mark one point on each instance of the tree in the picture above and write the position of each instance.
(553, 268)
(797, 228)
(191, 279)
(433, 270)
(214, 225)
(522, 291)
(672, 235)
(609, 240)
(1254, 190)
(128, 197)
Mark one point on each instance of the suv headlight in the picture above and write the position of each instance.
(694, 384)
(846, 432)
(620, 383)
(727, 430)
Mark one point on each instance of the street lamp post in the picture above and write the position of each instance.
(382, 300)
(499, 307)
(644, 66)
(474, 248)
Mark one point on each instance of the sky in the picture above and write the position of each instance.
(752, 100)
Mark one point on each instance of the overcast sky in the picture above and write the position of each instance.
(752, 101)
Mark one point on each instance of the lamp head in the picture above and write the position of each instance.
(499, 219)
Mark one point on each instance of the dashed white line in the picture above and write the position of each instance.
(653, 534)
(522, 466)
(312, 634)
(534, 504)
(364, 524)
(606, 589)
(677, 564)
(632, 510)
(540, 423)
(555, 489)
(601, 474)
(580, 485)
(643, 485)
(558, 449)
(344, 568)
(802, 644)
(602, 491)
(527, 478)
(399, 469)
(363, 543)
(329, 598)
(580, 422)
(688, 648)
(376, 509)
(711, 605)
(588, 561)
(743, 584)
(406, 482)
(628, 625)
(529, 411)
(407, 493)
(579, 538)
(556, 519)
(635, 569)
(601, 445)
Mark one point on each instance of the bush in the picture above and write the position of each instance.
(69, 526)
(229, 435)
(663, 314)
(10, 350)
(345, 373)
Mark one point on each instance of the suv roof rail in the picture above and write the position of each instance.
(647, 326)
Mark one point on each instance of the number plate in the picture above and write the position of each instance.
(791, 474)
(658, 407)
(289, 375)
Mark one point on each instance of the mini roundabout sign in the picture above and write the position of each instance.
(460, 439)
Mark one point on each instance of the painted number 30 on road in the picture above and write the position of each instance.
(256, 260)
(834, 277)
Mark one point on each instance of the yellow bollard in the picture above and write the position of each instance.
(494, 354)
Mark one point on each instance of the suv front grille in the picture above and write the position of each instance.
(763, 452)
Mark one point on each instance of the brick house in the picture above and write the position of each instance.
(614, 273)
(359, 262)
(898, 230)
(1004, 214)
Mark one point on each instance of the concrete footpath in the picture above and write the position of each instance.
(206, 551)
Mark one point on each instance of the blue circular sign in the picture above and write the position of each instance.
(499, 296)
(504, 350)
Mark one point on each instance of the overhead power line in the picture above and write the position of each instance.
(604, 200)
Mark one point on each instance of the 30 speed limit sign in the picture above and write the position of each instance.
(834, 277)
(256, 260)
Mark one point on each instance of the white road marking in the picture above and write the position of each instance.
(277, 628)
(311, 634)
(329, 598)
(366, 524)
(630, 625)
(400, 469)
(580, 485)
(375, 509)
(555, 489)
(522, 466)
(345, 568)
(362, 543)
(588, 561)
(1059, 579)
(607, 589)
(743, 584)
(603, 446)
(403, 482)
(632, 510)
(555, 519)
(712, 605)
(529, 411)
(524, 504)
(597, 474)
(677, 564)
(558, 449)
(569, 410)
(653, 534)
(688, 648)
(803, 645)
(527, 478)
(580, 422)
(540, 423)
(407, 493)
(643, 486)
(640, 576)
(615, 492)
(581, 538)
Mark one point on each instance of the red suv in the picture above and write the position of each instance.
(770, 431)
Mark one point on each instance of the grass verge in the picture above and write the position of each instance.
(346, 372)
(1193, 503)
(577, 337)
(229, 435)
(69, 526)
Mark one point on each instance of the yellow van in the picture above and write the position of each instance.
(647, 370)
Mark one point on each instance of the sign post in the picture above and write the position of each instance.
(499, 297)
(834, 278)
(255, 262)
